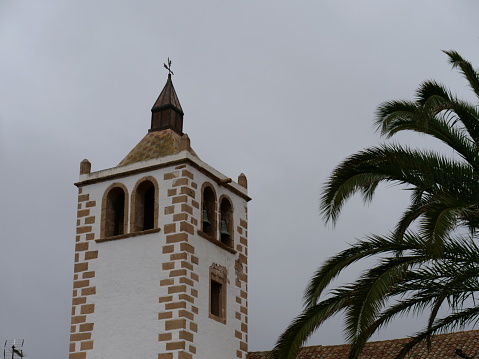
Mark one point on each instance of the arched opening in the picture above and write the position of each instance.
(149, 208)
(144, 202)
(208, 212)
(226, 222)
(115, 212)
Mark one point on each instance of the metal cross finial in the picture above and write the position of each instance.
(168, 67)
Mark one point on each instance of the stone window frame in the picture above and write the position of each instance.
(229, 219)
(218, 274)
(133, 209)
(104, 210)
(211, 208)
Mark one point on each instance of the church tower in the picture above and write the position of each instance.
(161, 252)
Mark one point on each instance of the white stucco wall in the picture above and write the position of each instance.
(215, 339)
(127, 276)
(128, 272)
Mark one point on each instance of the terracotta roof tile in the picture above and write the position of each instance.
(443, 346)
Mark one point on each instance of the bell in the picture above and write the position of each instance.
(223, 229)
(205, 220)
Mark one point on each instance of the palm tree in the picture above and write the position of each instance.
(406, 278)
(444, 191)
(420, 268)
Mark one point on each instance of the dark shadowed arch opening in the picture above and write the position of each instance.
(226, 222)
(145, 200)
(208, 212)
(115, 212)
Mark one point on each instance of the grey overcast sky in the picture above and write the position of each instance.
(279, 90)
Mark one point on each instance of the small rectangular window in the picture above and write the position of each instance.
(215, 298)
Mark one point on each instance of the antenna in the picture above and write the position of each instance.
(13, 349)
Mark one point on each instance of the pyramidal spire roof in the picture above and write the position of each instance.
(165, 137)
(167, 111)
(168, 97)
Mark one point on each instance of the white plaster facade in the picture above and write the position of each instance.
(147, 294)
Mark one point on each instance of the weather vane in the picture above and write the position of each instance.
(13, 349)
(168, 67)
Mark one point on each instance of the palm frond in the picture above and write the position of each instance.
(453, 321)
(304, 325)
(465, 68)
(362, 249)
(433, 268)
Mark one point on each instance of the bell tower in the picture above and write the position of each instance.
(161, 252)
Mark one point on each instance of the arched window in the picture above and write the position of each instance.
(144, 211)
(226, 222)
(208, 212)
(114, 214)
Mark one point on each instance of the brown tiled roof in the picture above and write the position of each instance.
(155, 144)
(443, 346)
